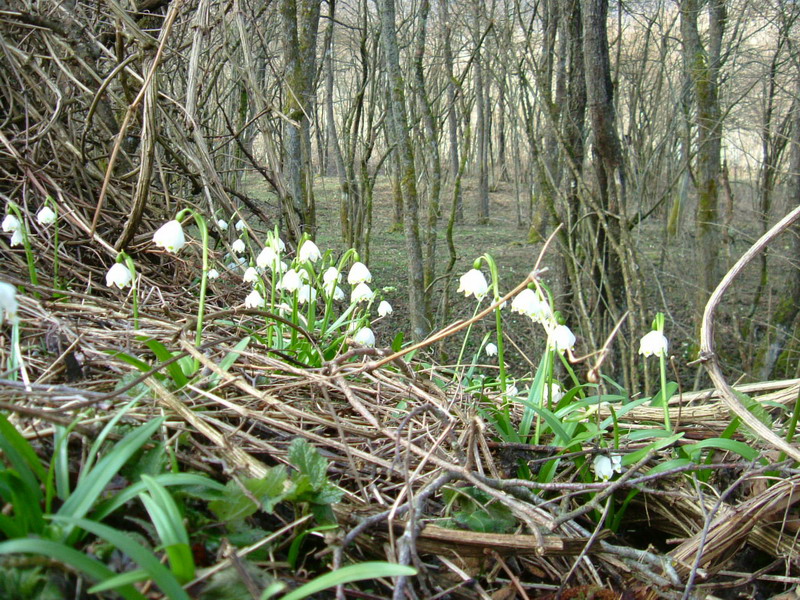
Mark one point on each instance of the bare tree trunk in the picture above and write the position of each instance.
(481, 127)
(452, 113)
(398, 130)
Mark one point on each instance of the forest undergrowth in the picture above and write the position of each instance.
(220, 416)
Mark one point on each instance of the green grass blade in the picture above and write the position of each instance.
(68, 556)
(163, 355)
(20, 454)
(349, 574)
(123, 579)
(143, 557)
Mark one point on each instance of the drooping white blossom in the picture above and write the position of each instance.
(473, 283)
(529, 303)
(290, 281)
(306, 294)
(360, 293)
(213, 273)
(561, 338)
(490, 349)
(605, 466)
(250, 275)
(309, 252)
(238, 246)
(384, 308)
(359, 273)
(8, 302)
(365, 337)
(46, 216)
(654, 343)
(10, 223)
(118, 275)
(170, 236)
(254, 300)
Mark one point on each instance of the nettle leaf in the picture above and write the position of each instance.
(480, 512)
(236, 505)
(308, 461)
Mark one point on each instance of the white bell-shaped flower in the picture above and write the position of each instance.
(331, 276)
(254, 300)
(359, 273)
(360, 293)
(490, 349)
(561, 338)
(338, 294)
(276, 243)
(556, 393)
(239, 225)
(46, 216)
(118, 275)
(654, 344)
(238, 246)
(8, 302)
(384, 308)
(365, 337)
(290, 281)
(306, 294)
(267, 258)
(213, 273)
(473, 283)
(16, 238)
(529, 303)
(10, 223)
(309, 252)
(605, 466)
(250, 275)
(170, 236)
(222, 224)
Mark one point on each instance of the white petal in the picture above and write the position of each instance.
(490, 349)
(365, 337)
(46, 216)
(118, 275)
(238, 246)
(309, 252)
(473, 283)
(359, 273)
(384, 308)
(360, 293)
(170, 236)
(10, 223)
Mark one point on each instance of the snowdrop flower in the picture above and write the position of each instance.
(654, 344)
(365, 337)
(473, 283)
(213, 274)
(276, 243)
(556, 393)
(306, 294)
(239, 225)
(222, 224)
(46, 216)
(238, 246)
(384, 308)
(360, 293)
(309, 252)
(605, 467)
(290, 281)
(170, 236)
(253, 300)
(490, 349)
(118, 275)
(512, 391)
(10, 223)
(561, 338)
(250, 275)
(359, 273)
(331, 275)
(267, 258)
(529, 303)
(8, 302)
(16, 238)
(338, 294)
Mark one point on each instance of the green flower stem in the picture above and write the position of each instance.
(123, 257)
(498, 320)
(201, 225)
(663, 362)
(466, 338)
(26, 244)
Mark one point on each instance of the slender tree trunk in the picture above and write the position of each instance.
(398, 130)
(481, 126)
(452, 113)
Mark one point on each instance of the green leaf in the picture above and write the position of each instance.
(143, 557)
(309, 462)
(20, 455)
(236, 505)
(397, 342)
(349, 574)
(91, 486)
(734, 446)
(226, 363)
(127, 578)
(26, 502)
(163, 355)
(663, 442)
(536, 392)
(68, 556)
(552, 421)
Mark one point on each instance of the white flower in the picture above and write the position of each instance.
(213, 274)
(306, 294)
(654, 344)
(561, 338)
(338, 294)
(604, 466)
(473, 283)
(309, 252)
(304, 275)
(267, 258)
(254, 300)
(10, 223)
(490, 349)
(46, 216)
(359, 273)
(239, 225)
(360, 293)
(250, 275)
(118, 275)
(384, 308)
(238, 246)
(365, 337)
(282, 267)
(222, 224)
(556, 393)
(331, 276)
(512, 391)
(170, 236)
(276, 243)
(529, 303)
(8, 302)
(16, 238)
(290, 281)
